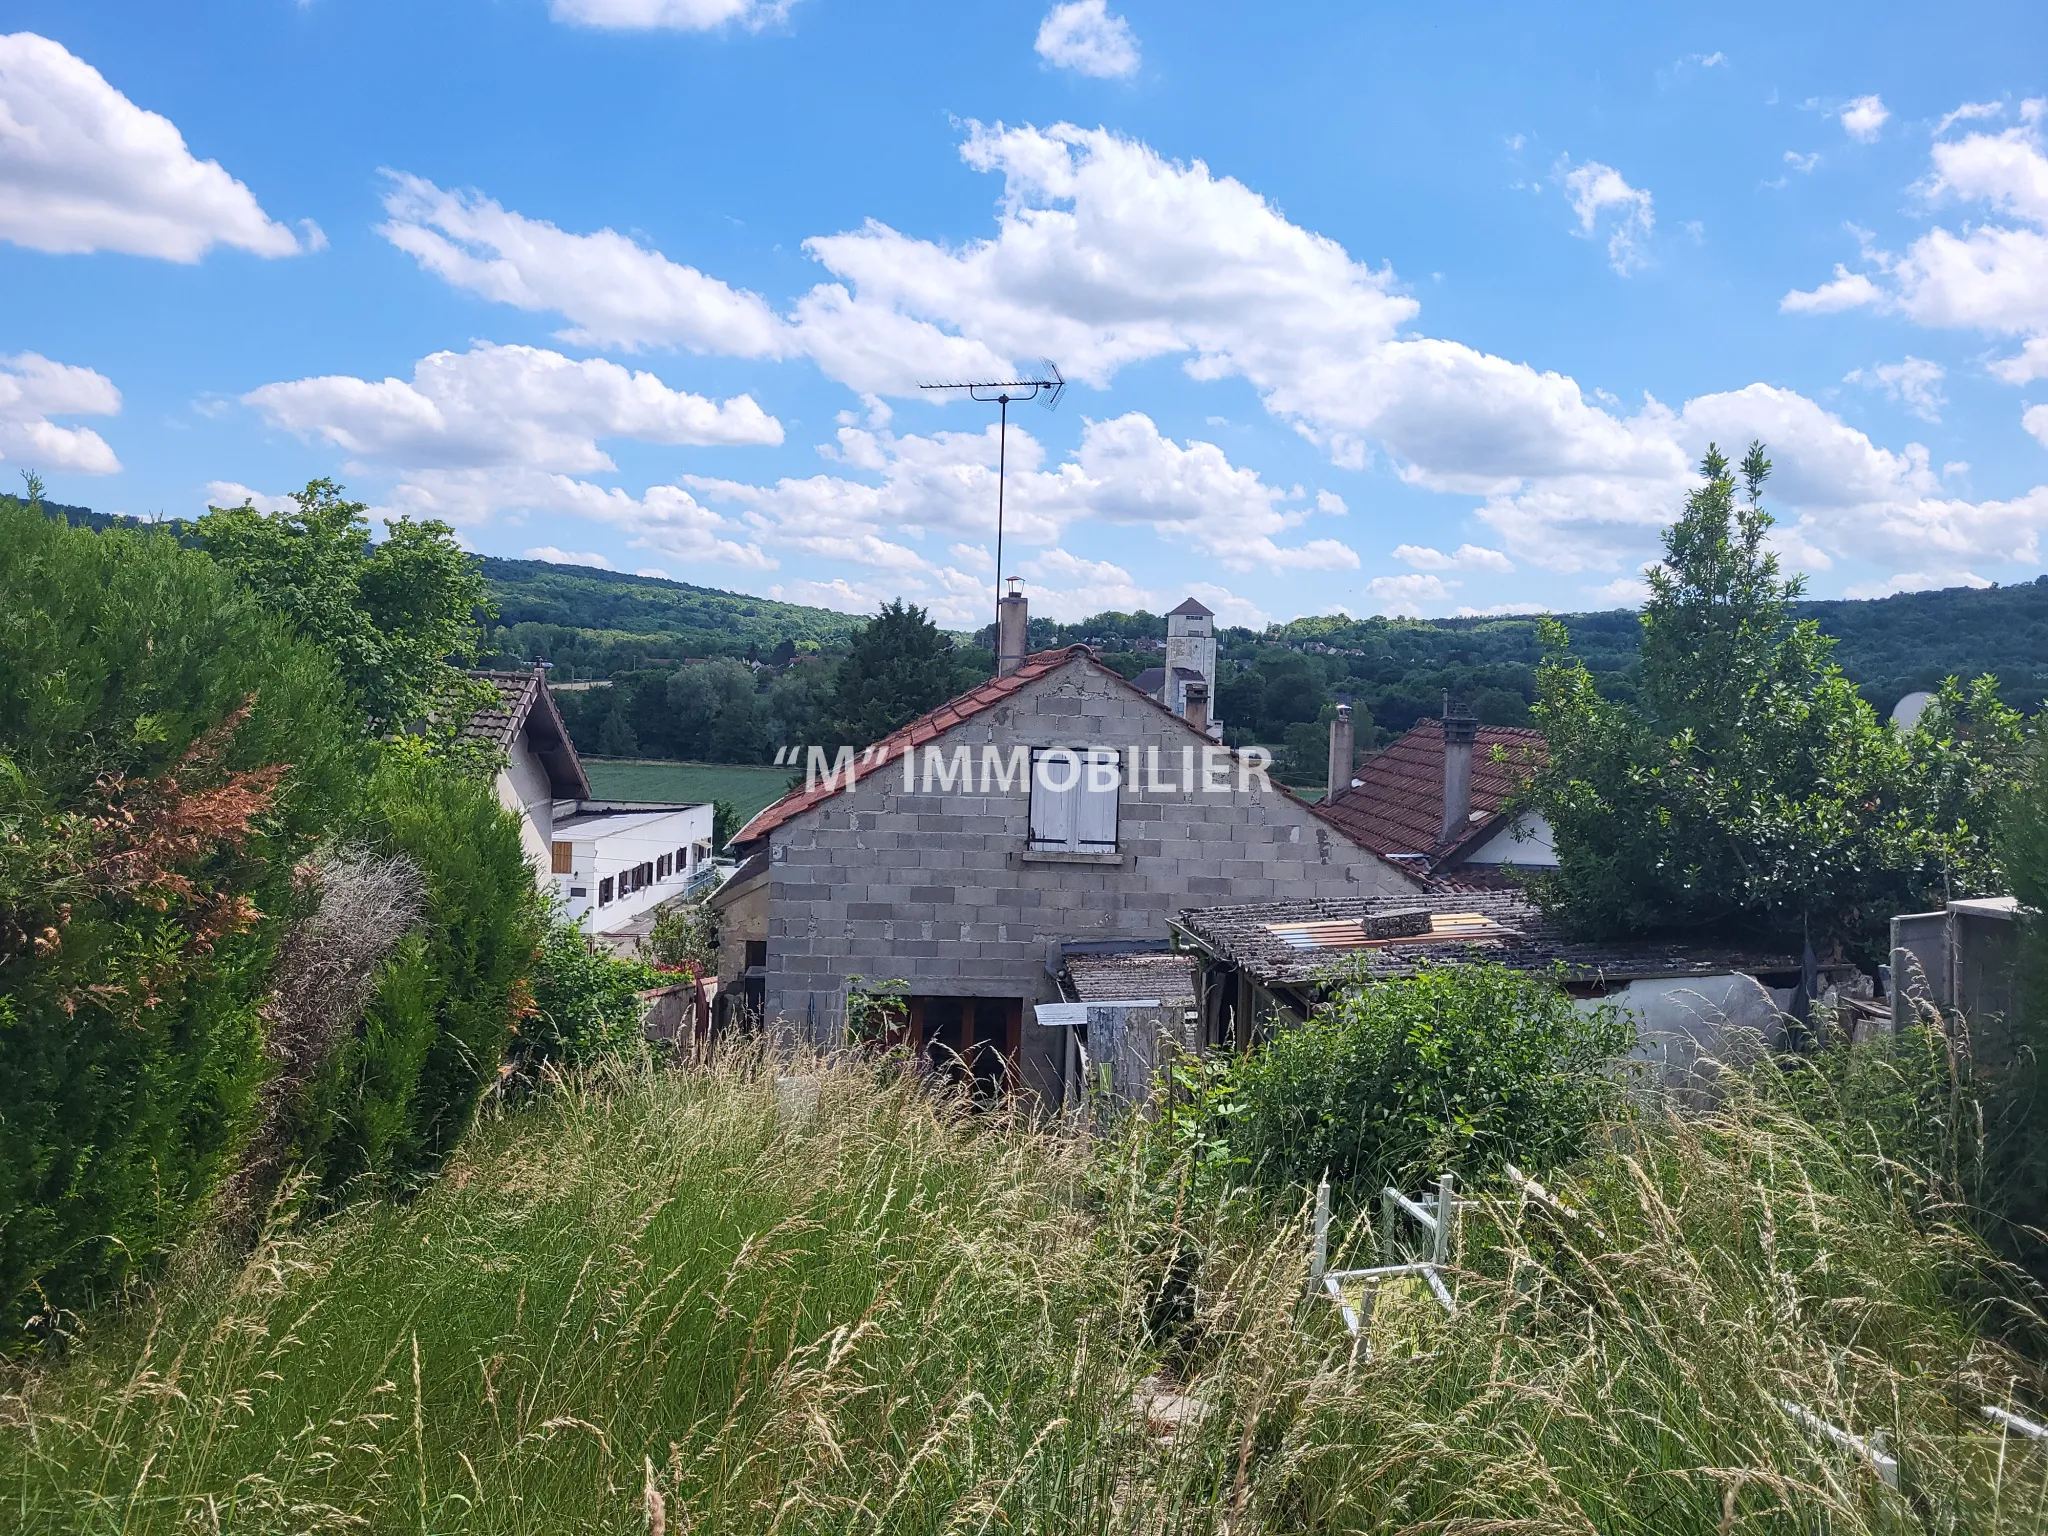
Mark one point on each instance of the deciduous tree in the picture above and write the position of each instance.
(400, 615)
(1749, 788)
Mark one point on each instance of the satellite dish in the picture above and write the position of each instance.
(1907, 712)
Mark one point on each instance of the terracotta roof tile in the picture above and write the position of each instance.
(1398, 805)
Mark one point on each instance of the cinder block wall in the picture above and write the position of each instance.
(933, 889)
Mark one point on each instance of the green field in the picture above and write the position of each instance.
(628, 778)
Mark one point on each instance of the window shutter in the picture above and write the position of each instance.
(1095, 813)
(1052, 810)
(564, 855)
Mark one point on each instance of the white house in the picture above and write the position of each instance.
(615, 860)
(609, 860)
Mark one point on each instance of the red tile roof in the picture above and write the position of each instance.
(1398, 805)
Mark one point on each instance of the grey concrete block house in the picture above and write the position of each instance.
(1055, 807)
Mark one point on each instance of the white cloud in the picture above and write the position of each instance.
(1968, 111)
(232, 493)
(613, 291)
(669, 15)
(655, 571)
(664, 520)
(1915, 383)
(2025, 366)
(2035, 420)
(1988, 276)
(82, 168)
(555, 556)
(1847, 290)
(1106, 255)
(501, 431)
(1123, 471)
(1498, 611)
(32, 390)
(1470, 557)
(506, 406)
(1622, 592)
(1919, 581)
(1084, 37)
(1405, 597)
(1595, 189)
(1802, 163)
(1863, 117)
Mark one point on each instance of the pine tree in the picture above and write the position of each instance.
(899, 666)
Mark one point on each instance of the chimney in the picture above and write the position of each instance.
(1013, 623)
(1197, 712)
(1460, 731)
(1340, 753)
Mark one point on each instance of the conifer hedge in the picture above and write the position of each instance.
(395, 1098)
(167, 753)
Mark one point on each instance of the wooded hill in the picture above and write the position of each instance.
(595, 624)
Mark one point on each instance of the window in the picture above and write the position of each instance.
(604, 891)
(1074, 799)
(661, 867)
(564, 855)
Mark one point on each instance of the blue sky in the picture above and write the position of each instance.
(1367, 308)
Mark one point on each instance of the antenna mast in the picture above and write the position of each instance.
(1046, 389)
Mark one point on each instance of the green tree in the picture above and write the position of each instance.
(1748, 788)
(401, 616)
(168, 753)
(898, 666)
(616, 737)
(716, 713)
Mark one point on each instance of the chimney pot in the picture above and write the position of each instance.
(1460, 732)
(1013, 624)
(1197, 713)
(1340, 753)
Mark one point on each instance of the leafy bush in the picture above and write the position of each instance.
(1455, 1070)
(394, 1099)
(685, 937)
(167, 754)
(585, 1006)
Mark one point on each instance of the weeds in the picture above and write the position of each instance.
(648, 1293)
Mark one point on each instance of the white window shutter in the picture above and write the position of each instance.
(1052, 810)
(1095, 813)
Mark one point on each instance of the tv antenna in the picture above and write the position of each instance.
(1046, 389)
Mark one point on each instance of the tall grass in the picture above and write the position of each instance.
(651, 1295)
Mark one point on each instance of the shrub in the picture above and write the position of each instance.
(1458, 1070)
(685, 937)
(585, 1002)
(167, 754)
(394, 1099)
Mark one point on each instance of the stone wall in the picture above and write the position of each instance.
(941, 890)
